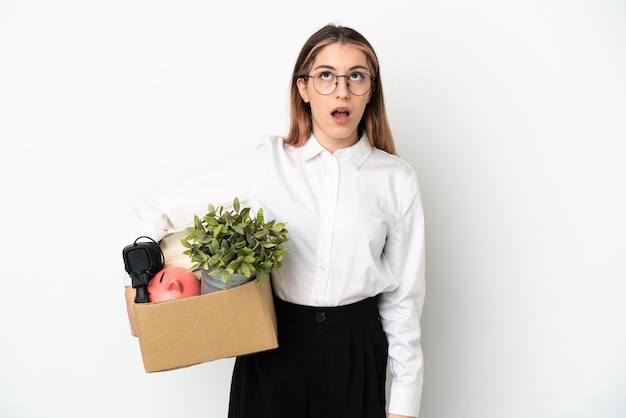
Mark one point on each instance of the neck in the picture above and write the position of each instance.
(334, 144)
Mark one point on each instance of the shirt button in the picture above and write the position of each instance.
(320, 317)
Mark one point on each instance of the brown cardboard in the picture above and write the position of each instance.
(198, 329)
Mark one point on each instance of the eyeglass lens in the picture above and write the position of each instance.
(325, 82)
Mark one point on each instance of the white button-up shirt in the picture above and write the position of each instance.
(356, 230)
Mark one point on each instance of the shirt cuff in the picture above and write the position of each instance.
(405, 400)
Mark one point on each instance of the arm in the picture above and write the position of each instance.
(129, 294)
(171, 208)
(401, 308)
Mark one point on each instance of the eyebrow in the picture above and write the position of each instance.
(330, 67)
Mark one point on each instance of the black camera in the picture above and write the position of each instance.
(142, 261)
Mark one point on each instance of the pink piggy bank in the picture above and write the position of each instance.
(173, 283)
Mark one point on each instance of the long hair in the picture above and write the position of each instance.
(374, 120)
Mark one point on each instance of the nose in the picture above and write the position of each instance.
(342, 90)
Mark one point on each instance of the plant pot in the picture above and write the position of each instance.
(209, 283)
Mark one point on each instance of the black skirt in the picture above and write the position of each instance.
(331, 362)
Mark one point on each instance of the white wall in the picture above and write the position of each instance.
(511, 112)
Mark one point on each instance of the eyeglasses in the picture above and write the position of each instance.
(325, 82)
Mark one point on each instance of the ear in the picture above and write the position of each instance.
(175, 286)
(302, 90)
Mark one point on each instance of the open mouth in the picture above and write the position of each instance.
(340, 114)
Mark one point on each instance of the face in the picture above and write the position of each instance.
(336, 116)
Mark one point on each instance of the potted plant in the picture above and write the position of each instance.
(235, 246)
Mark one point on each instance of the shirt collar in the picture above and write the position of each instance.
(356, 154)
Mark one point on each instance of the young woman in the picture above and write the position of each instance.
(353, 285)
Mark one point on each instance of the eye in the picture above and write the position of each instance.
(357, 76)
(325, 76)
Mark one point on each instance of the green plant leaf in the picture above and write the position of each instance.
(232, 242)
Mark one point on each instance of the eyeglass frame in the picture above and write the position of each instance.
(372, 80)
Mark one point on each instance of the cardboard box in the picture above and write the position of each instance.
(198, 329)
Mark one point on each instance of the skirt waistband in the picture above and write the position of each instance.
(326, 315)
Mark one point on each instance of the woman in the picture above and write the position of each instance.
(353, 286)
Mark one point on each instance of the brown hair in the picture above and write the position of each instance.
(374, 120)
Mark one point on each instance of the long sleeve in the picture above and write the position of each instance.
(401, 309)
(171, 208)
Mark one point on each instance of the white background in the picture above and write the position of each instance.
(512, 113)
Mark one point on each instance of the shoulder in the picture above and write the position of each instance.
(273, 141)
(392, 164)
(399, 178)
(276, 149)
(261, 149)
